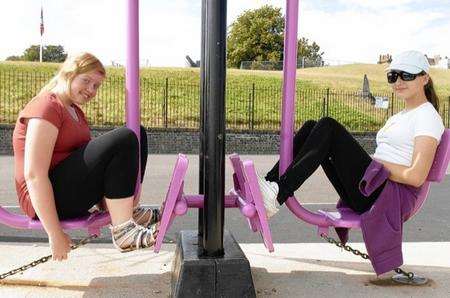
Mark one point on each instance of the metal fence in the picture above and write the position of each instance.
(166, 103)
(302, 62)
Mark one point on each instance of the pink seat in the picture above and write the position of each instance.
(346, 218)
(93, 222)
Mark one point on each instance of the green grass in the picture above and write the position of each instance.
(350, 77)
(170, 96)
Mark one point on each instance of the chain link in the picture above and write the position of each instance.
(410, 275)
(346, 247)
(365, 256)
(46, 258)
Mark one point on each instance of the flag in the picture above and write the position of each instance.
(42, 21)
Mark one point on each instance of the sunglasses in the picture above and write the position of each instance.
(392, 76)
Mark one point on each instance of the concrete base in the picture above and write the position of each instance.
(229, 276)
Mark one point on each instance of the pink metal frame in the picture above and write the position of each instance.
(246, 194)
(323, 219)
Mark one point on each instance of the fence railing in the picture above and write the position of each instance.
(302, 62)
(166, 103)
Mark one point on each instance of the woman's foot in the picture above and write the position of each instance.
(146, 216)
(130, 236)
(269, 191)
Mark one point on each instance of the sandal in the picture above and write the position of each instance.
(130, 236)
(145, 216)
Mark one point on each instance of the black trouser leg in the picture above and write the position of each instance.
(299, 140)
(344, 161)
(105, 167)
(144, 151)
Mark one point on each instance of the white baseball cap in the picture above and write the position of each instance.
(410, 61)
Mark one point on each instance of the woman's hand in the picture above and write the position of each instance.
(60, 245)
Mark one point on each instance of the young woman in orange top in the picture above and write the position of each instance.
(60, 172)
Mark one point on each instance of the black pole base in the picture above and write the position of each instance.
(194, 276)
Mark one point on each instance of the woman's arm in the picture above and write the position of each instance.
(39, 144)
(423, 156)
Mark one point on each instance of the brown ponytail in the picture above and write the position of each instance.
(430, 93)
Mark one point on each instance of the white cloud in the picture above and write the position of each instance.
(349, 30)
(353, 35)
(235, 8)
(378, 4)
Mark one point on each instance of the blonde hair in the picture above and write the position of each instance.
(73, 66)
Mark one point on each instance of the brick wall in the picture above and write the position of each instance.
(174, 141)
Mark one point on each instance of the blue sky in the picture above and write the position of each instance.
(346, 30)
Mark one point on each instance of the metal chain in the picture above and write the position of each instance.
(45, 259)
(410, 275)
(365, 256)
(345, 247)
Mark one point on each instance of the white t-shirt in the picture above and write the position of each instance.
(395, 141)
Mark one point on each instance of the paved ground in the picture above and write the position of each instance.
(302, 265)
(294, 270)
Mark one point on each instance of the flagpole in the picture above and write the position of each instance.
(41, 28)
(40, 51)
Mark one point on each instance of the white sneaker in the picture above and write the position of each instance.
(269, 191)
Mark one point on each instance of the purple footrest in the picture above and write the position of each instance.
(174, 193)
(247, 187)
(246, 196)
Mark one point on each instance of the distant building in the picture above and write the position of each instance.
(384, 59)
(438, 62)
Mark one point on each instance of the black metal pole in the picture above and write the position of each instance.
(201, 157)
(214, 151)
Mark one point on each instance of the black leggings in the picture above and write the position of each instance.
(107, 166)
(328, 144)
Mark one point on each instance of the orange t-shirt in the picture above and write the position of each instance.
(72, 134)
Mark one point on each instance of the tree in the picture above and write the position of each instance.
(258, 35)
(14, 58)
(50, 53)
(310, 51)
(53, 53)
(31, 54)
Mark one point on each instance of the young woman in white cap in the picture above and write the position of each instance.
(406, 145)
